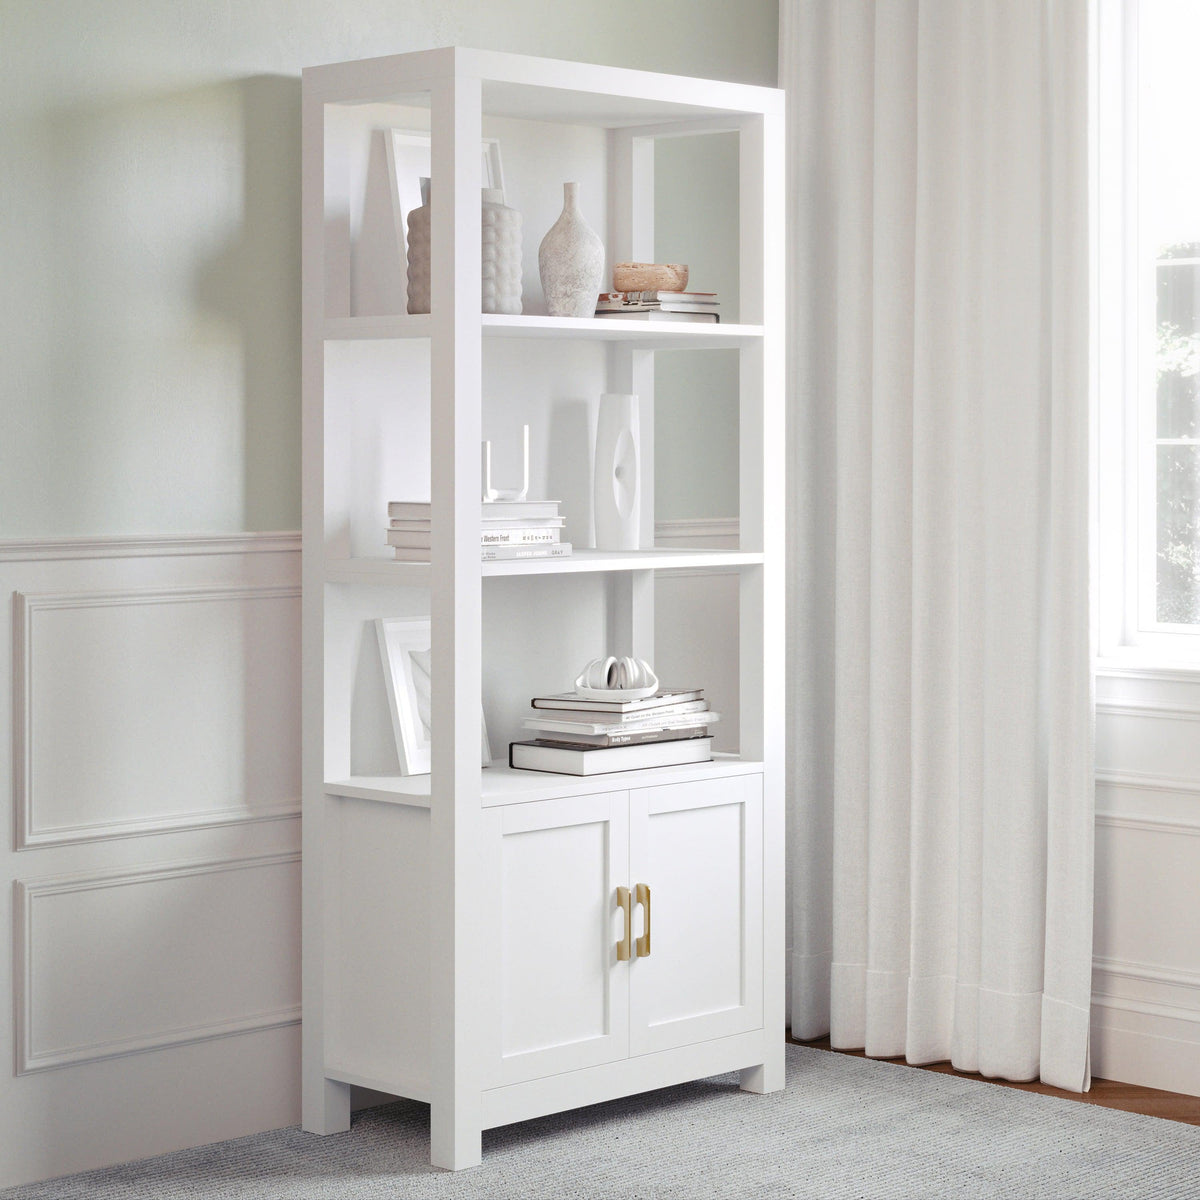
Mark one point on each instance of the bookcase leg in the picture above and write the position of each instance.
(331, 1113)
(454, 1142)
(766, 1077)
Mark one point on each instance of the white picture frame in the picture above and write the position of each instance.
(404, 646)
(409, 160)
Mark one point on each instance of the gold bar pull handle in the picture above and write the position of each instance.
(643, 943)
(625, 904)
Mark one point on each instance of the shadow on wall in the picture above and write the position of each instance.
(152, 246)
(253, 282)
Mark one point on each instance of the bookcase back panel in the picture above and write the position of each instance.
(376, 439)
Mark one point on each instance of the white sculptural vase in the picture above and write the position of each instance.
(500, 254)
(617, 485)
(571, 261)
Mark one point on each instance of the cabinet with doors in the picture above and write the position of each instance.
(500, 943)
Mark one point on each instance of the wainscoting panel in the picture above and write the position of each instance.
(142, 710)
(86, 989)
(150, 872)
(1146, 966)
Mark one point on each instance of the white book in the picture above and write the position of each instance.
(422, 510)
(490, 553)
(495, 537)
(593, 716)
(673, 721)
(601, 760)
(518, 537)
(549, 550)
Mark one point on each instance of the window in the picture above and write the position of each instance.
(1148, 331)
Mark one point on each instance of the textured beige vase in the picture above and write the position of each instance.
(571, 261)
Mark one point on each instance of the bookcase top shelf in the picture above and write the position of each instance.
(406, 574)
(542, 89)
(502, 785)
(646, 334)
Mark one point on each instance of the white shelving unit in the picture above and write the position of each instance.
(462, 930)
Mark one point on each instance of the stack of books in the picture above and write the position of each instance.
(576, 736)
(508, 529)
(660, 306)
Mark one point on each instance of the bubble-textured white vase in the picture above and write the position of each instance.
(571, 261)
(418, 253)
(501, 255)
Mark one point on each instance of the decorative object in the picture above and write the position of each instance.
(571, 261)
(409, 167)
(501, 255)
(405, 648)
(490, 493)
(650, 277)
(616, 483)
(617, 679)
(419, 253)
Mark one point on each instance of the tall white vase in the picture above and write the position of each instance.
(571, 261)
(617, 482)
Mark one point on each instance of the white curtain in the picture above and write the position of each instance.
(941, 752)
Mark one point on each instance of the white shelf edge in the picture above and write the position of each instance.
(403, 574)
(652, 334)
(502, 785)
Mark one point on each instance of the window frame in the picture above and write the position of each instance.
(1123, 365)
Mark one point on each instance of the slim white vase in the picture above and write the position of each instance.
(617, 484)
(571, 261)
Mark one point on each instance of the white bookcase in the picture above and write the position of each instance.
(461, 929)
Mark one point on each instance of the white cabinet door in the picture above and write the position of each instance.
(561, 1000)
(698, 848)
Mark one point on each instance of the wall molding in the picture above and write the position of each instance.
(1148, 973)
(1144, 781)
(1167, 712)
(689, 529)
(27, 892)
(1164, 825)
(55, 549)
(25, 606)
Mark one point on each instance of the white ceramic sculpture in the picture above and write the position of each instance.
(617, 679)
(492, 494)
(501, 255)
(571, 261)
(616, 483)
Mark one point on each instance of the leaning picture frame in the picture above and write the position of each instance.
(409, 160)
(405, 649)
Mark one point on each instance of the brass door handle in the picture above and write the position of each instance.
(625, 904)
(643, 943)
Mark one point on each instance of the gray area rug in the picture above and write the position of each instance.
(844, 1127)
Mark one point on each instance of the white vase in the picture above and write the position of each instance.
(571, 261)
(617, 484)
(500, 254)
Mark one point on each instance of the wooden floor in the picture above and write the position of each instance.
(1128, 1097)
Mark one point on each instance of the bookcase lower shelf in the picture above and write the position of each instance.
(500, 784)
